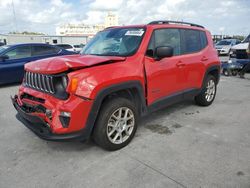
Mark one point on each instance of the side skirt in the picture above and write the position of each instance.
(172, 99)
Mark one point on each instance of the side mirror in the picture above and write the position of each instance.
(164, 51)
(3, 57)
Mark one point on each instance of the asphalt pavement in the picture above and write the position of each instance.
(180, 146)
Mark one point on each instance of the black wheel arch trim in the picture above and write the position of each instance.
(109, 90)
(209, 70)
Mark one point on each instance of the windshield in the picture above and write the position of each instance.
(247, 39)
(2, 48)
(224, 42)
(115, 42)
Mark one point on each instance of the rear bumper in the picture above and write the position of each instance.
(42, 129)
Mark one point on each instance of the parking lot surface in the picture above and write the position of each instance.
(180, 146)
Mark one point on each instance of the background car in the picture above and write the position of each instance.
(239, 53)
(231, 68)
(223, 47)
(78, 48)
(13, 58)
(67, 47)
(2, 44)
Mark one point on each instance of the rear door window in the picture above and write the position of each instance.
(191, 41)
(44, 50)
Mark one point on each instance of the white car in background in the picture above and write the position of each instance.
(67, 47)
(239, 52)
(71, 48)
(79, 47)
(224, 46)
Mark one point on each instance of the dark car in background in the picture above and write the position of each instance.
(13, 58)
(1, 44)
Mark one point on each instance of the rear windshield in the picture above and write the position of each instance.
(246, 40)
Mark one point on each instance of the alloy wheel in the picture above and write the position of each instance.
(210, 92)
(120, 125)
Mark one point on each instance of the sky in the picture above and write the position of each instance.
(229, 17)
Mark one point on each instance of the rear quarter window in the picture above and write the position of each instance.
(203, 37)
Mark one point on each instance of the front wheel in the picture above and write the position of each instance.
(208, 92)
(116, 124)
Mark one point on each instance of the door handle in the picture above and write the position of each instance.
(180, 64)
(204, 58)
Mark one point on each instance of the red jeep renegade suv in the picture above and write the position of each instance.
(121, 74)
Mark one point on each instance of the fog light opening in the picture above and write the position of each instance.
(65, 119)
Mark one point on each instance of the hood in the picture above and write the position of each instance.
(72, 62)
(241, 46)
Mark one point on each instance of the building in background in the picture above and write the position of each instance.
(80, 29)
(74, 34)
(111, 20)
(50, 39)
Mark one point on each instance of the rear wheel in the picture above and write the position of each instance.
(116, 124)
(207, 95)
(225, 72)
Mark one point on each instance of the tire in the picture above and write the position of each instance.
(207, 96)
(109, 121)
(234, 73)
(226, 72)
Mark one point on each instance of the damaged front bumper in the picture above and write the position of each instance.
(40, 127)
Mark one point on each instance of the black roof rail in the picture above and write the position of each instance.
(173, 22)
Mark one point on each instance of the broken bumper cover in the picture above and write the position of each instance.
(42, 129)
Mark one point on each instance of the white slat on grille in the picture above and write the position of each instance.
(39, 82)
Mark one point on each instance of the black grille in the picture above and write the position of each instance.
(39, 82)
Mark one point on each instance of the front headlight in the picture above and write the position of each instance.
(64, 82)
(60, 85)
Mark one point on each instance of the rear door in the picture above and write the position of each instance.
(193, 57)
(164, 77)
(12, 69)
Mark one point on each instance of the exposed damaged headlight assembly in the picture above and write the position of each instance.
(61, 84)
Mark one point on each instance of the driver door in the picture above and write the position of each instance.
(165, 77)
